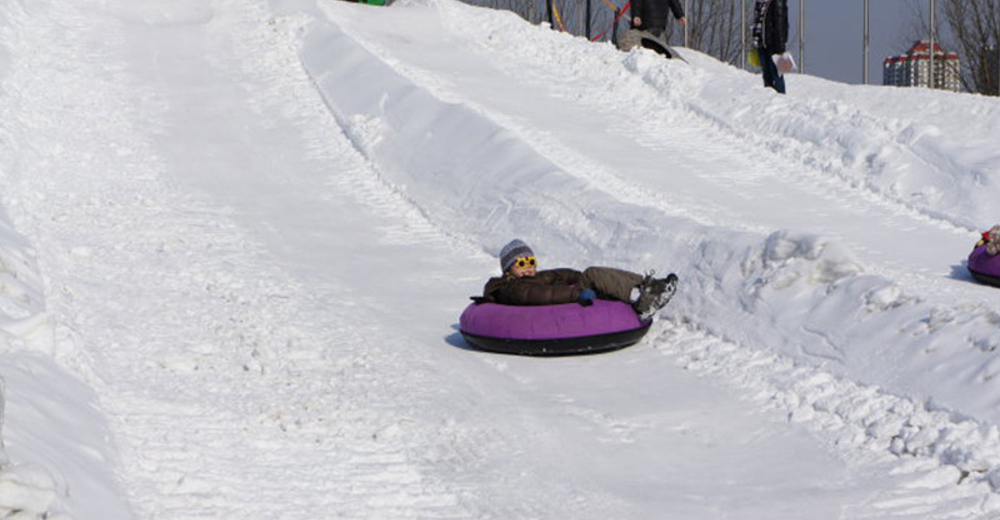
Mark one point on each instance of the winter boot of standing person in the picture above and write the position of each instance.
(654, 293)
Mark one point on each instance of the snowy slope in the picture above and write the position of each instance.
(776, 253)
(238, 236)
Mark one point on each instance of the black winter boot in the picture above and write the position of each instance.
(654, 293)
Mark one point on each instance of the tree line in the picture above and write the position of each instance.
(714, 26)
(973, 30)
(718, 28)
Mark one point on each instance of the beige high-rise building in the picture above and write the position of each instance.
(913, 69)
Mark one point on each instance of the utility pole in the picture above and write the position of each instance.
(864, 52)
(931, 82)
(993, 53)
(802, 36)
(686, 25)
(743, 34)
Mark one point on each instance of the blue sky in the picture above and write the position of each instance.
(834, 32)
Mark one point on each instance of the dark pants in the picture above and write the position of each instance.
(771, 77)
(610, 283)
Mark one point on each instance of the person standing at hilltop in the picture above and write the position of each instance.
(770, 34)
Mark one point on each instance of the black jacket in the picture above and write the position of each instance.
(770, 28)
(655, 13)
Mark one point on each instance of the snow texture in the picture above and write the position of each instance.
(236, 237)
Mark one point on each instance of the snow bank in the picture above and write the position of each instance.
(56, 461)
(796, 316)
(795, 294)
(57, 442)
(930, 151)
(27, 487)
(475, 176)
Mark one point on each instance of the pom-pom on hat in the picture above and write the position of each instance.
(512, 251)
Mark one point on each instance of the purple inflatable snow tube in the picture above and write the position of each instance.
(568, 328)
(984, 266)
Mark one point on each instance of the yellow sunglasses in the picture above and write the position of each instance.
(525, 261)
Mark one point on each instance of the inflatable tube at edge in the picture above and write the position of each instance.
(984, 267)
(552, 330)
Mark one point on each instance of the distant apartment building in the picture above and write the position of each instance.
(913, 69)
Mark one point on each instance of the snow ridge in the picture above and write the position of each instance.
(195, 394)
(292, 200)
(930, 450)
(828, 283)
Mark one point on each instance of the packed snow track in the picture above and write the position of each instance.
(237, 237)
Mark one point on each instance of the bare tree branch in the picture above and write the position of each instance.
(973, 30)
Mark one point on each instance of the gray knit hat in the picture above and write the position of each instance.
(512, 251)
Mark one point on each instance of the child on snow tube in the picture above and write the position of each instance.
(561, 311)
(984, 261)
(523, 284)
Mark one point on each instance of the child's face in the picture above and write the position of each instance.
(524, 266)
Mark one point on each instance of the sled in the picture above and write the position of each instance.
(596, 344)
(661, 48)
(552, 330)
(635, 38)
(984, 278)
(984, 267)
